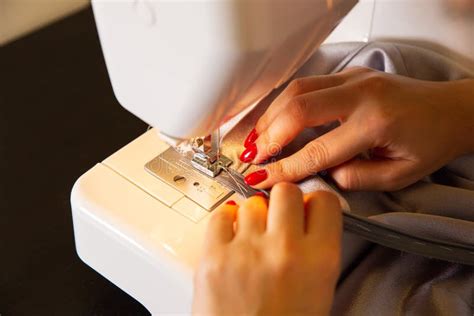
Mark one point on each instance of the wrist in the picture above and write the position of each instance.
(460, 97)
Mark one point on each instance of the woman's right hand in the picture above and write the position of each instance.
(409, 128)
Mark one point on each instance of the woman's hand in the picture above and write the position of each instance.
(408, 128)
(462, 6)
(276, 257)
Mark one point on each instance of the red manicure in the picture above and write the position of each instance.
(231, 202)
(251, 138)
(249, 153)
(261, 194)
(256, 177)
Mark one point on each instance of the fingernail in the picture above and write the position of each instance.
(261, 194)
(249, 153)
(256, 177)
(251, 138)
(231, 202)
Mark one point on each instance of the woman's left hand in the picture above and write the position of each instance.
(277, 257)
(408, 127)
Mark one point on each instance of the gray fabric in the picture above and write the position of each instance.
(378, 280)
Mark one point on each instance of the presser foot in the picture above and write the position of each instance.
(208, 166)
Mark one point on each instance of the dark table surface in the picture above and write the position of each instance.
(58, 117)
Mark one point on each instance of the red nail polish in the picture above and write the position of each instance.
(261, 194)
(256, 177)
(231, 202)
(251, 138)
(249, 153)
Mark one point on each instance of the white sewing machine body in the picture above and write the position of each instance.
(145, 235)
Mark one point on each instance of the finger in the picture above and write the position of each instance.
(375, 175)
(305, 85)
(220, 229)
(286, 210)
(252, 216)
(311, 109)
(323, 216)
(331, 149)
(296, 87)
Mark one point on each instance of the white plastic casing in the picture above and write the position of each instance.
(432, 24)
(139, 233)
(185, 67)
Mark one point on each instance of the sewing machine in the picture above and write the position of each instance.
(187, 68)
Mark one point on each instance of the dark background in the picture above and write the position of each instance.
(58, 117)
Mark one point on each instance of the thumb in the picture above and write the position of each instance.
(331, 149)
(376, 175)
